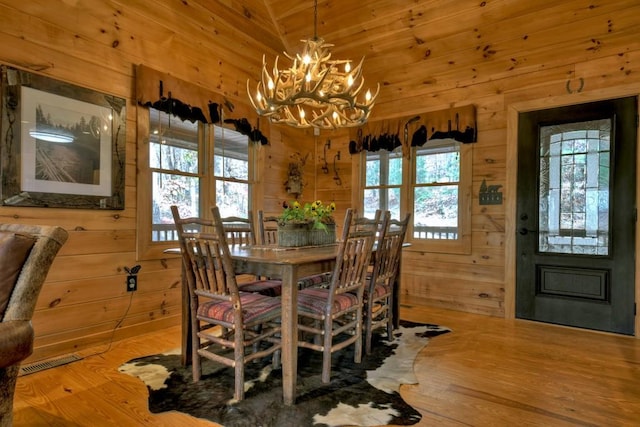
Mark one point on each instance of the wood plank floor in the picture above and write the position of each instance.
(487, 372)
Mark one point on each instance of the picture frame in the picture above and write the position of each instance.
(63, 146)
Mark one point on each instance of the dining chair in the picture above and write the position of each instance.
(185, 225)
(378, 295)
(267, 229)
(238, 230)
(228, 325)
(330, 319)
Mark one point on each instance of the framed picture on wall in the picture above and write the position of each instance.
(62, 146)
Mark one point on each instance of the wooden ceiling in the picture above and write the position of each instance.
(425, 54)
(418, 49)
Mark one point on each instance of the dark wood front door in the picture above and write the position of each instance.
(576, 215)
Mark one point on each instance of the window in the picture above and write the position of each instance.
(435, 192)
(191, 165)
(383, 182)
(438, 193)
(176, 171)
(441, 196)
(231, 171)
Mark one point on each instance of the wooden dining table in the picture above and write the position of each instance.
(289, 265)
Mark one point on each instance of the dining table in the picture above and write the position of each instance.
(288, 264)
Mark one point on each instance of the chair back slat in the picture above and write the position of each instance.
(354, 253)
(207, 260)
(268, 229)
(238, 230)
(389, 249)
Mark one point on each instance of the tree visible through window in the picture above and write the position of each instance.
(231, 171)
(176, 171)
(383, 182)
(436, 191)
(179, 175)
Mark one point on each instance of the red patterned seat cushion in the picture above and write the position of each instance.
(314, 300)
(378, 291)
(270, 288)
(255, 308)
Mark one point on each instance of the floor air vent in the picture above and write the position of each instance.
(47, 364)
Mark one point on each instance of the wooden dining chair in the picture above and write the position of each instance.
(267, 229)
(378, 295)
(239, 230)
(228, 326)
(330, 319)
(186, 225)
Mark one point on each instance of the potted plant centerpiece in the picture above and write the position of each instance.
(308, 224)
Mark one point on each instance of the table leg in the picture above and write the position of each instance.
(289, 334)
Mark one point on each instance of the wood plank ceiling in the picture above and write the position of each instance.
(417, 49)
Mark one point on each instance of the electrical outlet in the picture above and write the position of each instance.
(132, 283)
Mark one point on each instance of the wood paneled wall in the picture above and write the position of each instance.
(96, 44)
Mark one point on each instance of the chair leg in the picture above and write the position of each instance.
(326, 350)
(357, 357)
(239, 373)
(275, 360)
(390, 336)
(8, 378)
(367, 330)
(196, 368)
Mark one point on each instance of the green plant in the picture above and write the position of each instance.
(321, 214)
(315, 213)
(293, 213)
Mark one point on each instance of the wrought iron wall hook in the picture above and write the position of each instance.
(325, 167)
(336, 177)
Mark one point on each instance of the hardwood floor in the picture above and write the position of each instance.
(488, 371)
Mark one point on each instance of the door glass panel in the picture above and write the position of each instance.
(574, 188)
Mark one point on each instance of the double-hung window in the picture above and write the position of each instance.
(433, 184)
(231, 168)
(192, 165)
(383, 182)
(176, 166)
(441, 196)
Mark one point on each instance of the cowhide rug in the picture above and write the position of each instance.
(365, 394)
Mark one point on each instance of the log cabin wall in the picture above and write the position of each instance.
(536, 56)
(97, 44)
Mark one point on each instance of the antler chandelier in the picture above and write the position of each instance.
(315, 91)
